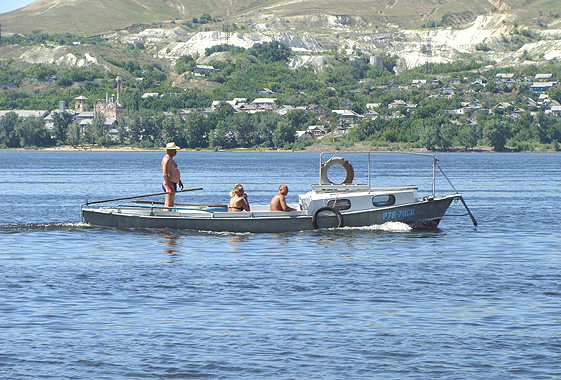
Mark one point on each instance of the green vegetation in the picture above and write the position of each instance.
(151, 121)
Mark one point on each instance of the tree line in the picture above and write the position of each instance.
(346, 80)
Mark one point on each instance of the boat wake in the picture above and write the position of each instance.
(386, 227)
(45, 226)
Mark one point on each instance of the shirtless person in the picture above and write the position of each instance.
(278, 203)
(238, 199)
(171, 174)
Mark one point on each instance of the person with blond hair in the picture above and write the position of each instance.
(238, 200)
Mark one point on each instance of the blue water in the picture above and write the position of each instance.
(460, 302)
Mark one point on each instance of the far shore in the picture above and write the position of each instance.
(311, 148)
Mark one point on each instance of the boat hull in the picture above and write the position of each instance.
(425, 214)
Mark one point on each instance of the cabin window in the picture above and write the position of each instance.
(383, 200)
(340, 204)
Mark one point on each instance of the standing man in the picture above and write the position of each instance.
(278, 203)
(172, 177)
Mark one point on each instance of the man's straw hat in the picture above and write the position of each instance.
(172, 145)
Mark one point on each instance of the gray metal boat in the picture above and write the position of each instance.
(326, 205)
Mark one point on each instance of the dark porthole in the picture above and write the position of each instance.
(383, 200)
(340, 204)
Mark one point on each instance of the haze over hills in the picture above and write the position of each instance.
(102, 16)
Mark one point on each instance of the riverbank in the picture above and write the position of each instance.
(319, 147)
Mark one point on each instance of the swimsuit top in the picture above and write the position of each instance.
(237, 208)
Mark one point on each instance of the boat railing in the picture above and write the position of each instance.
(434, 164)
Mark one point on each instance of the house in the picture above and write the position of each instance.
(316, 130)
(285, 109)
(503, 105)
(435, 82)
(476, 87)
(455, 80)
(24, 114)
(543, 97)
(316, 109)
(84, 115)
(542, 86)
(206, 68)
(418, 83)
(249, 108)
(371, 114)
(264, 101)
(517, 113)
(555, 110)
(340, 130)
(397, 103)
(147, 95)
(266, 91)
(371, 106)
(348, 115)
(401, 104)
(303, 135)
(480, 79)
(530, 103)
(543, 77)
(448, 90)
(458, 111)
(392, 86)
(474, 104)
(502, 77)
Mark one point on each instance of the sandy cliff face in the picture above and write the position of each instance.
(413, 47)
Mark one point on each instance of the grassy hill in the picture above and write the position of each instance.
(102, 16)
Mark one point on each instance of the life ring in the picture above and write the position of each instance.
(337, 161)
(327, 208)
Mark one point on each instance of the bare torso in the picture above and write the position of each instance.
(238, 203)
(278, 203)
(170, 170)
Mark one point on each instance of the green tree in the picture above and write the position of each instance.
(73, 136)
(8, 135)
(467, 136)
(270, 52)
(284, 134)
(61, 122)
(222, 136)
(195, 132)
(32, 132)
(495, 133)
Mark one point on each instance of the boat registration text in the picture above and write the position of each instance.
(398, 214)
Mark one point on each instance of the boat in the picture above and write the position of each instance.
(327, 205)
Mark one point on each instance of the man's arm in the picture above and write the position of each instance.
(283, 204)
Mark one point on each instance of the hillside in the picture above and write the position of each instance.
(87, 17)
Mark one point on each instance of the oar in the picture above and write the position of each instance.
(469, 212)
(181, 204)
(461, 198)
(139, 196)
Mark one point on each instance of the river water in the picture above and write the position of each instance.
(460, 302)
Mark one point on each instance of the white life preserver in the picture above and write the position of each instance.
(337, 161)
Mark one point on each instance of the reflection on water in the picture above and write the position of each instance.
(238, 238)
(172, 243)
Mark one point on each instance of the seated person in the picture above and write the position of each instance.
(278, 203)
(238, 201)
